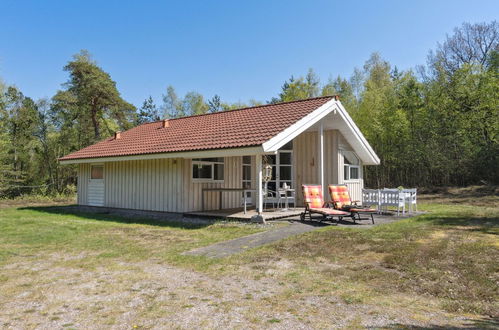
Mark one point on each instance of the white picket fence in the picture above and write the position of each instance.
(384, 198)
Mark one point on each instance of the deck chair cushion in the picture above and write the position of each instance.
(328, 211)
(340, 195)
(361, 210)
(313, 196)
(357, 208)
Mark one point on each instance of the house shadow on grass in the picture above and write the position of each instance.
(160, 219)
(483, 323)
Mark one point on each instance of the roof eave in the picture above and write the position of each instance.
(372, 158)
(227, 152)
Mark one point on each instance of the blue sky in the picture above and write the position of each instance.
(240, 50)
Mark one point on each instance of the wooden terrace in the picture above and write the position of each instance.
(238, 213)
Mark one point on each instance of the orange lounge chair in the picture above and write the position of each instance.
(340, 197)
(314, 203)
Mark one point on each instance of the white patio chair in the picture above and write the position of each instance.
(269, 196)
(283, 195)
(411, 199)
(392, 197)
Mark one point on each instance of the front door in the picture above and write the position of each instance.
(96, 185)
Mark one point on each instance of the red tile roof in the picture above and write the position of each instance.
(229, 129)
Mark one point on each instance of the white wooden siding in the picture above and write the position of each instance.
(305, 148)
(355, 188)
(160, 185)
(331, 157)
(82, 184)
(144, 184)
(305, 162)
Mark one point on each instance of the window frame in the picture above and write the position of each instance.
(349, 171)
(248, 165)
(212, 164)
(96, 165)
(247, 183)
(347, 168)
(276, 182)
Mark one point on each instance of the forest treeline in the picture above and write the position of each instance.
(435, 125)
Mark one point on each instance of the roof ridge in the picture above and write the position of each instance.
(245, 108)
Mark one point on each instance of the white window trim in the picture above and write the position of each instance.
(277, 168)
(212, 165)
(243, 180)
(349, 167)
(249, 196)
(103, 172)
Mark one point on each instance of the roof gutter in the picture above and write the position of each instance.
(229, 152)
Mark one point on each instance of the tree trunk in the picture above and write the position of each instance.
(95, 123)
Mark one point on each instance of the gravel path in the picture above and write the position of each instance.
(295, 227)
(240, 244)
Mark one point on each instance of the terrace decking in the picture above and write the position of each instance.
(238, 214)
(293, 214)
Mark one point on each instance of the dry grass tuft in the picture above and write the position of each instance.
(450, 255)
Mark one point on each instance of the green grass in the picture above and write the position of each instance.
(444, 260)
(45, 230)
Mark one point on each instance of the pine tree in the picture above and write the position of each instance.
(148, 112)
(91, 99)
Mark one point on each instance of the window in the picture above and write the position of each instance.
(247, 178)
(208, 169)
(247, 172)
(351, 168)
(97, 172)
(282, 167)
(287, 146)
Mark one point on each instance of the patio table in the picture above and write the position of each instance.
(221, 190)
